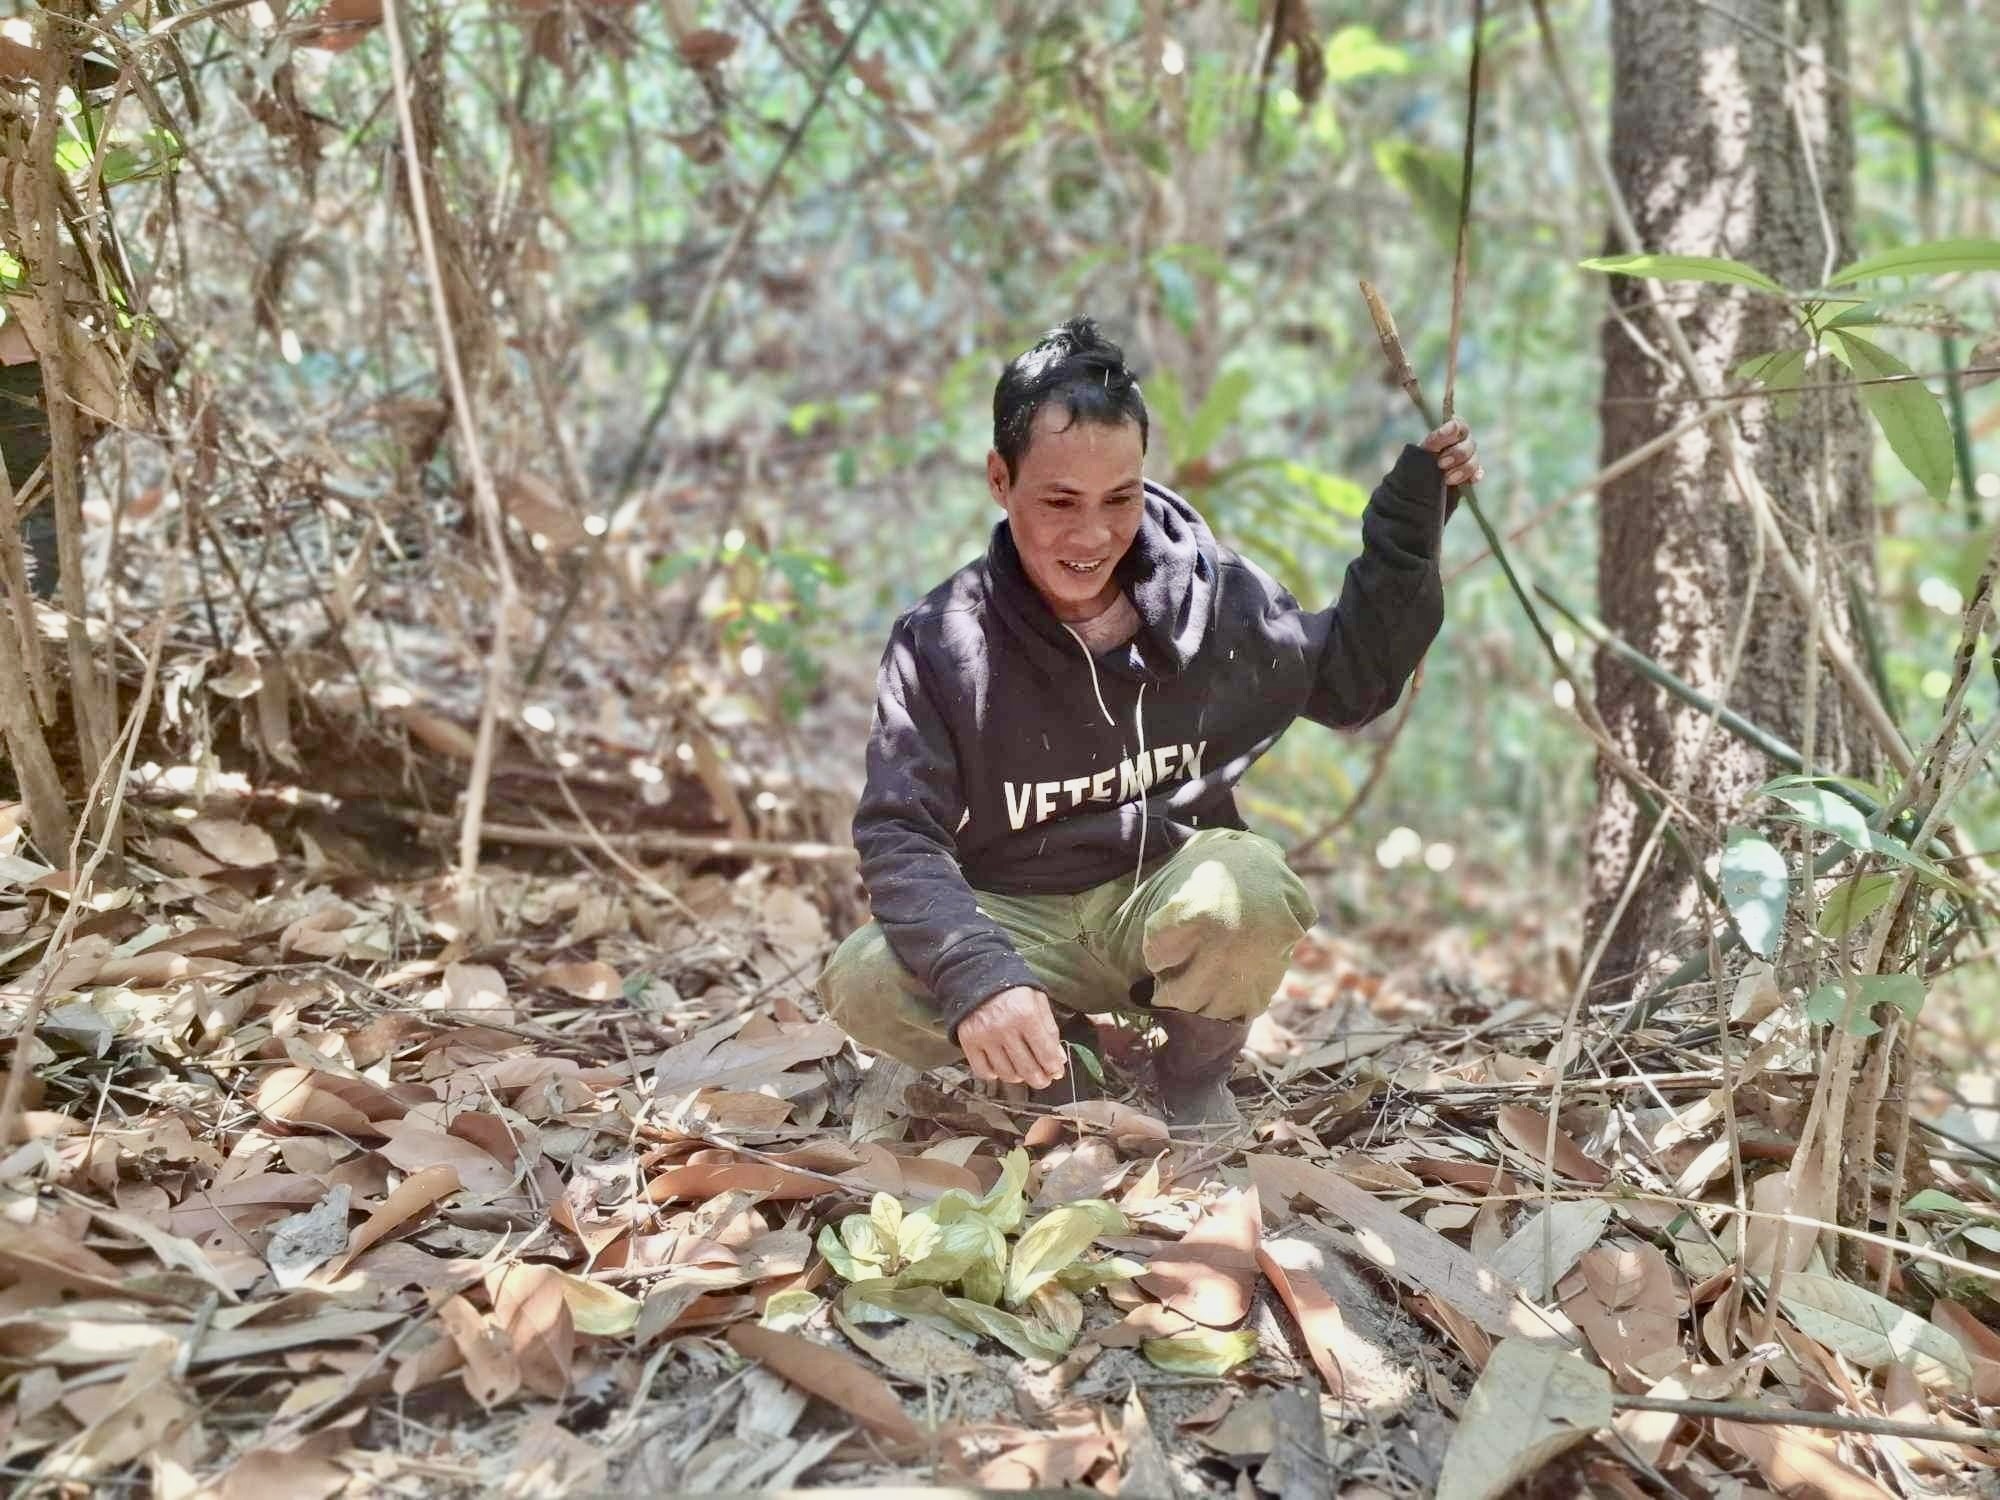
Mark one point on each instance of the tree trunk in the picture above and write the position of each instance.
(1711, 161)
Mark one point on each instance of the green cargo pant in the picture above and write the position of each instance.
(1213, 925)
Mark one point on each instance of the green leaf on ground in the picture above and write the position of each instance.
(1201, 1352)
(1055, 1241)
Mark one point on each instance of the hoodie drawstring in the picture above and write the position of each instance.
(1091, 662)
(1138, 729)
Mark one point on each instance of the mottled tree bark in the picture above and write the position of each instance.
(1712, 161)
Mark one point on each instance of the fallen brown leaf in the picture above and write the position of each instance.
(837, 1378)
(491, 1374)
(1528, 1130)
(529, 1301)
(1293, 1268)
(1211, 1273)
(411, 1197)
(1412, 1253)
(1799, 1462)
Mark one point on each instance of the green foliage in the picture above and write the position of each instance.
(1828, 1005)
(902, 1262)
(1817, 806)
(1909, 415)
(1201, 1351)
(1087, 1060)
(1354, 52)
(1685, 268)
(1756, 889)
(773, 596)
(1782, 370)
(1911, 418)
(1218, 409)
(1930, 258)
(1854, 901)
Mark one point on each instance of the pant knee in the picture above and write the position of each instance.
(1241, 887)
(1221, 943)
(870, 995)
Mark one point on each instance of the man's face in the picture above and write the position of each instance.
(1074, 506)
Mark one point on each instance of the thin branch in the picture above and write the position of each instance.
(485, 501)
(1312, 841)
(1617, 468)
(1778, 393)
(666, 843)
(135, 723)
(91, 702)
(1458, 266)
(1828, 1421)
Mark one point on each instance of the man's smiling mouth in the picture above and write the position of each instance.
(1085, 568)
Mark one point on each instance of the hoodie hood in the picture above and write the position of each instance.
(1169, 573)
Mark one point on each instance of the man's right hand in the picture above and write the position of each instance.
(1012, 1038)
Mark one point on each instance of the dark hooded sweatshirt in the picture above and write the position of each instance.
(1004, 758)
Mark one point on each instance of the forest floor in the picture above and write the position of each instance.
(327, 1190)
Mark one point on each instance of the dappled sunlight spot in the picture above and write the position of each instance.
(1398, 847)
(1375, 1247)
(1941, 595)
(1211, 888)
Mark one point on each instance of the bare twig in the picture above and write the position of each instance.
(485, 501)
(669, 843)
(1761, 1415)
(1458, 266)
(1359, 800)
(92, 706)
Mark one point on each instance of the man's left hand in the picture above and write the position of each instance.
(1457, 456)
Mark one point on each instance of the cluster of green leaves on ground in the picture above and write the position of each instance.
(978, 1267)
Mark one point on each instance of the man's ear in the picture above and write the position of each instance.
(996, 477)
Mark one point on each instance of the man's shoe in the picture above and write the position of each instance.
(1192, 1070)
(1206, 1112)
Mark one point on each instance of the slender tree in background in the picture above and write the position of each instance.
(1725, 144)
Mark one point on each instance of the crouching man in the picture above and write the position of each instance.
(1049, 827)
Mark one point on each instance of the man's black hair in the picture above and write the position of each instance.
(1076, 366)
